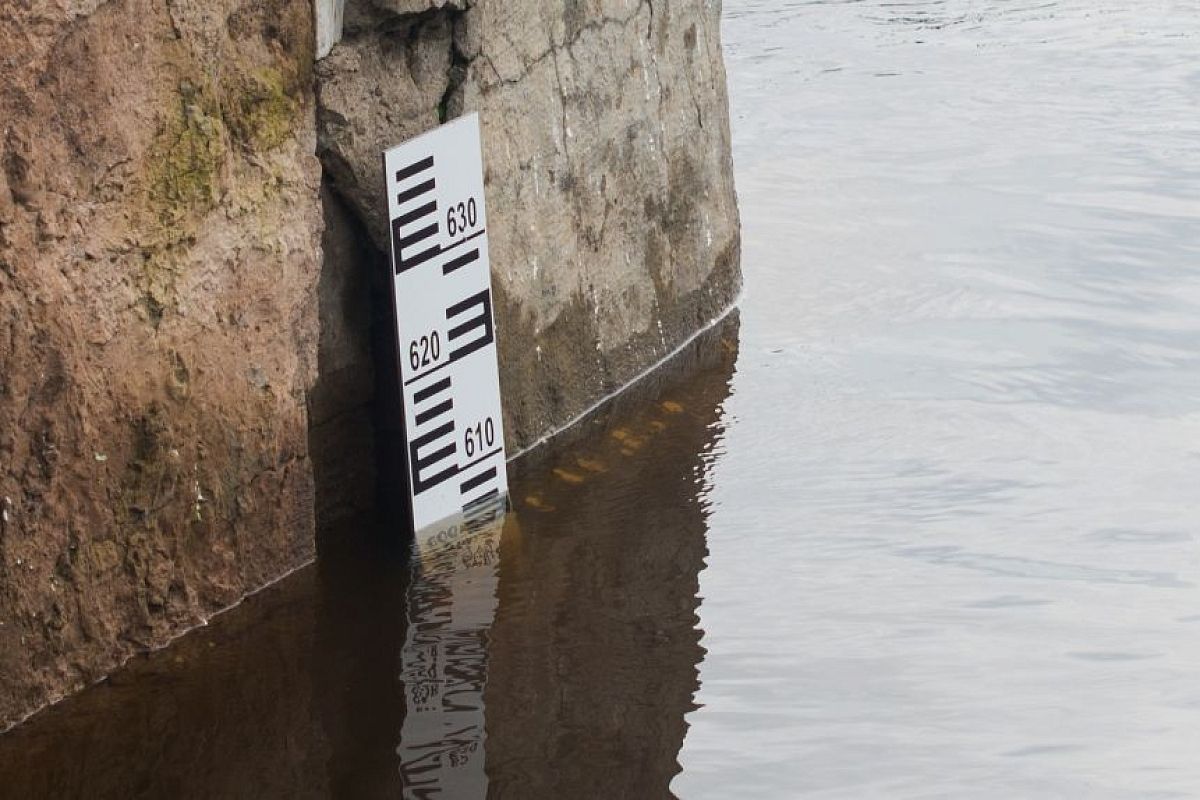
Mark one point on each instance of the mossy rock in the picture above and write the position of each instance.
(185, 160)
(261, 112)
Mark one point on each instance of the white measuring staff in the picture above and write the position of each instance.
(454, 437)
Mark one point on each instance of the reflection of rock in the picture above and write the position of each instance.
(226, 713)
(592, 658)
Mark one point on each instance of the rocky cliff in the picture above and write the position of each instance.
(159, 251)
(190, 294)
(614, 230)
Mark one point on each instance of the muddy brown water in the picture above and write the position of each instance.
(923, 523)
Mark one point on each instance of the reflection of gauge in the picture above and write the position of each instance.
(422, 695)
(452, 605)
(461, 754)
(445, 536)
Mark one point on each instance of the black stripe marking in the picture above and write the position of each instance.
(460, 262)
(482, 510)
(419, 236)
(429, 391)
(413, 169)
(416, 191)
(441, 408)
(413, 216)
(420, 258)
(478, 480)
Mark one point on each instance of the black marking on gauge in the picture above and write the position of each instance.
(481, 302)
(425, 215)
(465, 239)
(484, 503)
(408, 195)
(421, 395)
(427, 373)
(481, 459)
(432, 452)
(478, 480)
(487, 505)
(415, 168)
(443, 407)
(460, 262)
(418, 213)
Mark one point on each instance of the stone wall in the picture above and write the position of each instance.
(173, 344)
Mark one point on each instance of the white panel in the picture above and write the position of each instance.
(328, 15)
(451, 384)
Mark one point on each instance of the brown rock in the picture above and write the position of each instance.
(160, 235)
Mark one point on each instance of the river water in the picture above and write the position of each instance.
(955, 529)
(922, 521)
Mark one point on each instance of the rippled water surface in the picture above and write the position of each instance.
(923, 522)
(955, 514)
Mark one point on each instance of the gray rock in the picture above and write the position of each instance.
(612, 214)
(382, 85)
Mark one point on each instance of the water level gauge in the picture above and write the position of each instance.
(454, 436)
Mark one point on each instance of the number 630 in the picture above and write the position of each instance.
(461, 217)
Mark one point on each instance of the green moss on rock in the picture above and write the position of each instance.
(186, 157)
(261, 112)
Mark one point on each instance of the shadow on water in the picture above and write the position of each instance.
(553, 654)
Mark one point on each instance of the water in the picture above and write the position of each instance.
(954, 540)
(924, 523)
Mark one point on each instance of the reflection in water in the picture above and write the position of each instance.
(551, 652)
(451, 607)
(594, 652)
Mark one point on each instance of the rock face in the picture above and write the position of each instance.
(614, 229)
(160, 228)
(173, 344)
